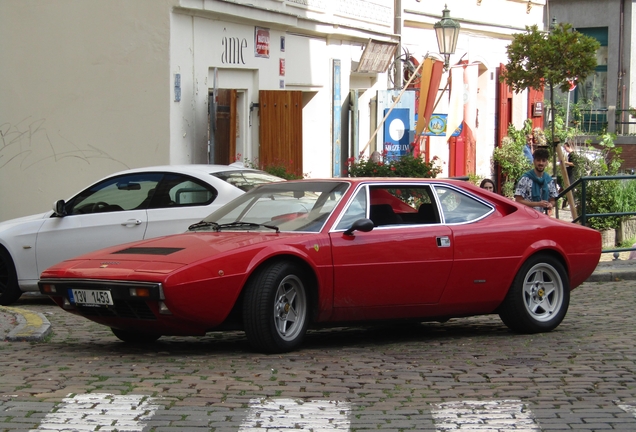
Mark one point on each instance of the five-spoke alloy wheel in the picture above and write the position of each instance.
(276, 308)
(539, 296)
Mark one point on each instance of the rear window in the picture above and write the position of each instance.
(246, 180)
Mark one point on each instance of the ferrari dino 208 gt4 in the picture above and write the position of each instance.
(290, 255)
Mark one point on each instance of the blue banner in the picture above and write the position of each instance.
(396, 133)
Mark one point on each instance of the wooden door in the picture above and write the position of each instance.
(281, 130)
(504, 107)
(224, 149)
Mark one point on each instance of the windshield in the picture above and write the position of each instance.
(246, 180)
(288, 206)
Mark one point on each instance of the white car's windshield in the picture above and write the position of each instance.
(287, 206)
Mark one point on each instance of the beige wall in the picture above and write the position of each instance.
(84, 92)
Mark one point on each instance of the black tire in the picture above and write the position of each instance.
(135, 337)
(9, 289)
(539, 296)
(276, 308)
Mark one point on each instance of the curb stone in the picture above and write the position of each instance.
(32, 327)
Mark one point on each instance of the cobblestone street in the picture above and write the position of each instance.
(468, 374)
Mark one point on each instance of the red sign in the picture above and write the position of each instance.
(261, 42)
(281, 67)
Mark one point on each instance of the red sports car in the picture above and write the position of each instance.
(286, 256)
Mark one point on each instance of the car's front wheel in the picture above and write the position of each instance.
(135, 337)
(539, 296)
(9, 289)
(276, 308)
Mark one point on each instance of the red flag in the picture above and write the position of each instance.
(572, 82)
(470, 116)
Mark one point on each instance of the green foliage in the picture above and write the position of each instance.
(511, 159)
(405, 166)
(625, 244)
(537, 58)
(282, 171)
(626, 196)
(573, 129)
(606, 196)
(279, 168)
(475, 179)
(601, 198)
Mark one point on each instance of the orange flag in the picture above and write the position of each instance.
(433, 89)
(425, 82)
(429, 86)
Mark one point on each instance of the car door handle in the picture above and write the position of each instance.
(131, 222)
(443, 241)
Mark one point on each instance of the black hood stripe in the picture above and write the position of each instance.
(148, 251)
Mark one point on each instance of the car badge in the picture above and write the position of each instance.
(316, 247)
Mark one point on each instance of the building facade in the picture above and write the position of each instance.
(608, 97)
(91, 87)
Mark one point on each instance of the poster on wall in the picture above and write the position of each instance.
(396, 133)
(437, 126)
(261, 42)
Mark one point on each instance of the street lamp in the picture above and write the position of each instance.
(447, 32)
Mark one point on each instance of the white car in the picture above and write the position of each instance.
(126, 206)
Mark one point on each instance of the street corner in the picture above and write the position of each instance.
(23, 325)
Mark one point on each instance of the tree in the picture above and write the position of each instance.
(537, 59)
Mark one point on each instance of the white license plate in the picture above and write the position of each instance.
(91, 297)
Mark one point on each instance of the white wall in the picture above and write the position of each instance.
(83, 93)
(486, 31)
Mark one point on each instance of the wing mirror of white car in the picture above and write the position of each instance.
(364, 225)
(59, 209)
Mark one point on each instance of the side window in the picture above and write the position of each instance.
(127, 192)
(357, 210)
(458, 208)
(402, 205)
(176, 190)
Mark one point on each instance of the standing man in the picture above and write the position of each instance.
(528, 148)
(536, 188)
(569, 162)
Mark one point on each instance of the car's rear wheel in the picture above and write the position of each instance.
(9, 289)
(539, 296)
(135, 337)
(276, 308)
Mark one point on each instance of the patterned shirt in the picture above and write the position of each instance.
(524, 189)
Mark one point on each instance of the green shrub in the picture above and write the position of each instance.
(606, 196)
(511, 159)
(405, 166)
(279, 168)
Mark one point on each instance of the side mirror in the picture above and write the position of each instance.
(59, 208)
(364, 225)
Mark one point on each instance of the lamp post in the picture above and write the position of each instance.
(447, 32)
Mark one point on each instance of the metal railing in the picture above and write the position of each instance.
(584, 216)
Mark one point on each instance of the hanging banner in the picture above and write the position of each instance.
(396, 133)
(336, 119)
(429, 86)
